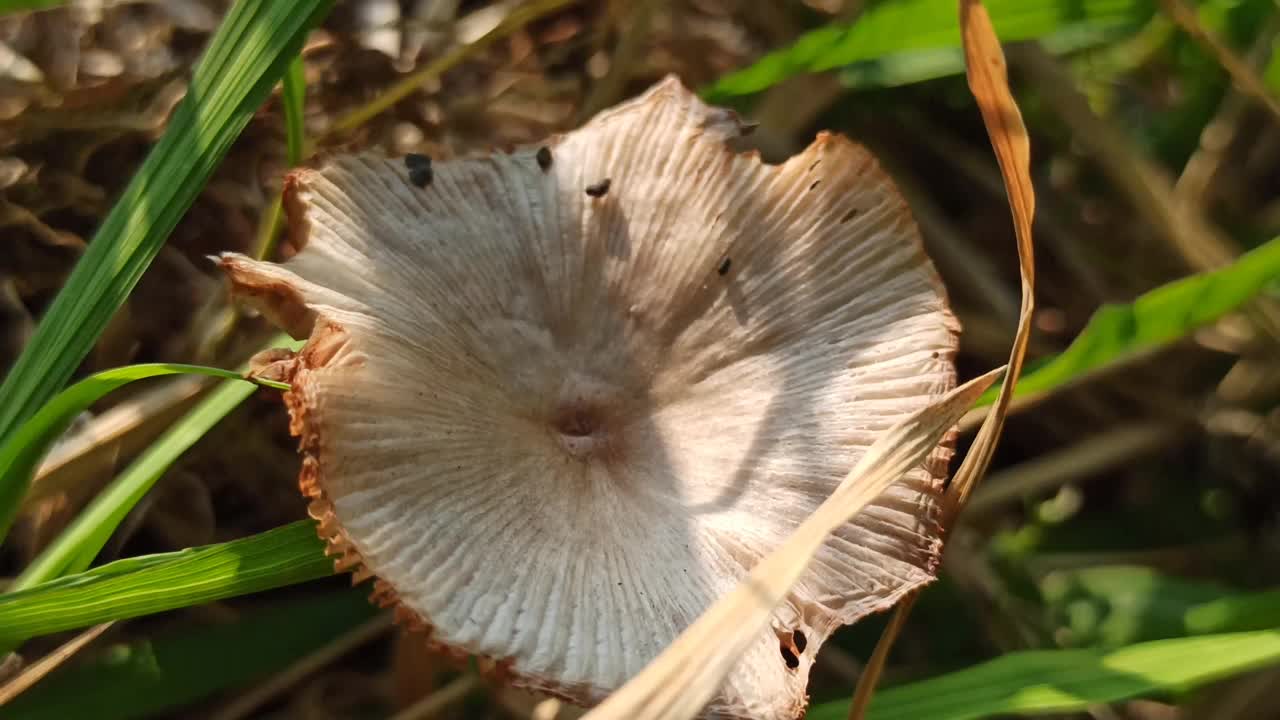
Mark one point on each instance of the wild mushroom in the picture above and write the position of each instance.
(556, 427)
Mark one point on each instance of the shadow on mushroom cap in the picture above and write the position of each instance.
(557, 417)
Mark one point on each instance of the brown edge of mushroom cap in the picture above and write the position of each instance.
(326, 339)
(284, 307)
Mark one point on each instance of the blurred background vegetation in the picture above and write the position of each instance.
(1135, 502)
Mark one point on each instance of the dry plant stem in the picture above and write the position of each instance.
(432, 704)
(49, 663)
(635, 32)
(790, 107)
(989, 82)
(677, 684)
(1244, 76)
(988, 79)
(975, 417)
(981, 277)
(1236, 699)
(1217, 136)
(840, 663)
(879, 658)
(1054, 228)
(1009, 623)
(246, 703)
(546, 710)
(1052, 470)
(269, 229)
(122, 430)
(1147, 187)
(523, 15)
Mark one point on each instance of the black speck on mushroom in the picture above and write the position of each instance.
(724, 267)
(426, 499)
(543, 157)
(598, 190)
(419, 167)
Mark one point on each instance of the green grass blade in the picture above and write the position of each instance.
(246, 57)
(22, 452)
(892, 28)
(1254, 611)
(147, 677)
(1041, 682)
(294, 99)
(76, 546)
(1112, 606)
(1170, 312)
(1271, 73)
(13, 6)
(914, 66)
(155, 583)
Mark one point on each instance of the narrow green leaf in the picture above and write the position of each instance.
(146, 677)
(1116, 605)
(13, 6)
(245, 59)
(155, 583)
(1271, 73)
(294, 99)
(891, 28)
(1254, 611)
(80, 542)
(21, 454)
(1041, 682)
(76, 546)
(913, 66)
(1157, 318)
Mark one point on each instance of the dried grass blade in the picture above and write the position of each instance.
(989, 82)
(683, 678)
(50, 662)
(988, 78)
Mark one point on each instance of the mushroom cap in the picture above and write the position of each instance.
(558, 417)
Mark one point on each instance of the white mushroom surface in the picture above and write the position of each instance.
(558, 401)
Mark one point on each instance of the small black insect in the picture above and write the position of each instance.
(419, 167)
(544, 158)
(598, 189)
(724, 267)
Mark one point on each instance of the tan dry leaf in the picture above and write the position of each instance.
(47, 664)
(989, 81)
(688, 673)
(560, 401)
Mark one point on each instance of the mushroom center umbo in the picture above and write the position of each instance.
(582, 429)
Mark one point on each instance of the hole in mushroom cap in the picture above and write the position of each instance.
(577, 421)
(582, 430)
(598, 190)
(625, 403)
(789, 657)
